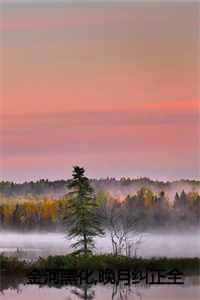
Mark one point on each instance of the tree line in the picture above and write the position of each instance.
(151, 210)
(126, 185)
(85, 214)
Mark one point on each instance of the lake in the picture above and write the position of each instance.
(190, 291)
(33, 245)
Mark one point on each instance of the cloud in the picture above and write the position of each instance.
(26, 124)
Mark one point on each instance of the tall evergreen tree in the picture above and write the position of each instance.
(82, 217)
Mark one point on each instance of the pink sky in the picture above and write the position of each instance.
(112, 87)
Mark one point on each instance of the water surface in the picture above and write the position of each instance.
(42, 244)
(190, 291)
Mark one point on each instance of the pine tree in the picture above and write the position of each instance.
(82, 218)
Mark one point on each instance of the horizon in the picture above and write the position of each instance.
(106, 178)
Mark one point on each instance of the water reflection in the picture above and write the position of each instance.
(12, 288)
(85, 292)
(119, 292)
(122, 292)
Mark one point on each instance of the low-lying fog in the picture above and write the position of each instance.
(32, 245)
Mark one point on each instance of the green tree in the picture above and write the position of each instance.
(82, 212)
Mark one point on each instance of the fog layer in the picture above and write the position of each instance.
(33, 245)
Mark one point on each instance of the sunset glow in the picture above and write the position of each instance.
(112, 87)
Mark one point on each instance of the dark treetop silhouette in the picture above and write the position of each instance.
(82, 220)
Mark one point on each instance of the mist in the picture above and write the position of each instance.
(33, 245)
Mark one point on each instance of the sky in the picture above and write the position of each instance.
(111, 86)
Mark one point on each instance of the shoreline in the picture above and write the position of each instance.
(10, 265)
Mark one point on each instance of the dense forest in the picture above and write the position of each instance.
(132, 204)
(117, 187)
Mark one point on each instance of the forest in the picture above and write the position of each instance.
(43, 205)
(117, 187)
